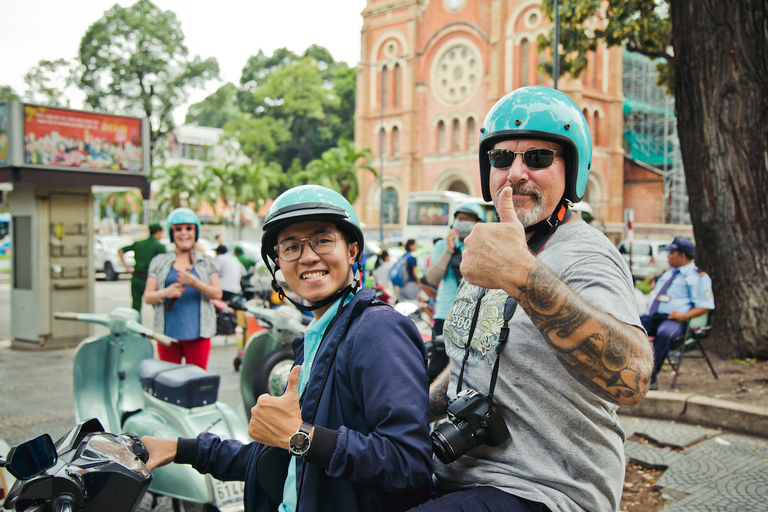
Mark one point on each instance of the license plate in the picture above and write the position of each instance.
(228, 495)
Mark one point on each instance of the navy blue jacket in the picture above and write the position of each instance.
(371, 449)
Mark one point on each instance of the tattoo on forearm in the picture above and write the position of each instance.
(438, 398)
(603, 353)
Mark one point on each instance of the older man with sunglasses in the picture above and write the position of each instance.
(544, 338)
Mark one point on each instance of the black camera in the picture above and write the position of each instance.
(473, 420)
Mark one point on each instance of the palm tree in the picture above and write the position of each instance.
(337, 169)
(174, 190)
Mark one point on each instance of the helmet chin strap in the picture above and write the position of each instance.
(560, 214)
(342, 292)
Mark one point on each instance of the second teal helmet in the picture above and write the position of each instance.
(544, 114)
(182, 216)
(471, 208)
(305, 203)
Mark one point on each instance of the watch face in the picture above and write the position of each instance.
(298, 444)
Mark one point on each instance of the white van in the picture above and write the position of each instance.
(648, 259)
(429, 215)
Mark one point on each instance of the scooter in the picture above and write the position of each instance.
(268, 355)
(87, 470)
(117, 381)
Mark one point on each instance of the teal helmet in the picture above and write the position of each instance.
(471, 208)
(305, 203)
(544, 114)
(183, 216)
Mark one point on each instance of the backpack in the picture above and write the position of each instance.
(397, 273)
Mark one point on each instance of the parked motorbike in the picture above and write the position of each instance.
(268, 356)
(117, 381)
(6, 478)
(88, 470)
(438, 359)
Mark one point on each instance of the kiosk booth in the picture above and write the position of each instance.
(53, 157)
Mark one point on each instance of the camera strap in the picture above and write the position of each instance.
(536, 243)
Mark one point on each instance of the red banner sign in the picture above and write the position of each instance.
(66, 138)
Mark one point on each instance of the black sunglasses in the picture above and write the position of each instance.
(536, 158)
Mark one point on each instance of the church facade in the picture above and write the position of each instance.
(429, 72)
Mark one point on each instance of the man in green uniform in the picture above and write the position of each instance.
(143, 252)
(247, 262)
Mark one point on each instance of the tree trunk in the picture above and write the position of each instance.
(721, 90)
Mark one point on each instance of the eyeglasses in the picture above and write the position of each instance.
(536, 158)
(321, 243)
(179, 229)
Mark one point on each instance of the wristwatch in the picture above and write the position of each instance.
(298, 444)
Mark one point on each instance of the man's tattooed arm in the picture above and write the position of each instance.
(612, 358)
(438, 396)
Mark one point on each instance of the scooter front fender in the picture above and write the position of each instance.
(182, 481)
(258, 346)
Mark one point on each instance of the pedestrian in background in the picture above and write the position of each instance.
(180, 285)
(230, 272)
(143, 252)
(410, 290)
(247, 262)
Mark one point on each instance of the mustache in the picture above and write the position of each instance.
(523, 189)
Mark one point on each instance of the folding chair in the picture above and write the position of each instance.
(697, 329)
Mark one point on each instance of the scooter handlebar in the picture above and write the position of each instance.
(65, 316)
(162, 338)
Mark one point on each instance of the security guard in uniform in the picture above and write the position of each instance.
(681, 293)
(143, 252)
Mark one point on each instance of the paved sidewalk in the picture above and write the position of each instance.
(715, 452)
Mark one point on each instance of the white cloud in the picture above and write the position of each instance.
(229, 30)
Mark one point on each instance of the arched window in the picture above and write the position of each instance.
(525, 62)
(390, 208)
(395, 142)
(397, 84)
(384, 85)
(455, 144)
(441, 137)
(596, 129)
(382, 149)
(586, 116)
(471, 135)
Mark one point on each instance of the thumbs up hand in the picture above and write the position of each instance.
(496, 254)
(274, 419)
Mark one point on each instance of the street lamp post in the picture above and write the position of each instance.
(382, 64)
(381, 159)
(555, 49)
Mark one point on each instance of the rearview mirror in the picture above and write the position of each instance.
(32, 458)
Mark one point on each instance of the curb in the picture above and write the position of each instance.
(702, 410)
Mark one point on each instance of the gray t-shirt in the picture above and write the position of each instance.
(566, 446)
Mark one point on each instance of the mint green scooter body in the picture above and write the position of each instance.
(107, 387)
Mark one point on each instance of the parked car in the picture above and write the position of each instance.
(105, 257)
(648, 259)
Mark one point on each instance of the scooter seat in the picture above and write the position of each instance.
(183, 385)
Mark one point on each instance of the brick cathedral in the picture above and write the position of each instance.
(429, 72)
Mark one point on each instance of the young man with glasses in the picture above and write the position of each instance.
(544, 329)
(354, 416)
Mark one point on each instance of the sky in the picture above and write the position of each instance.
(229, 30)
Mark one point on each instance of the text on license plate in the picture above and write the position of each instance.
(225, 493)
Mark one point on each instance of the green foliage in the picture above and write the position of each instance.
(215, 110)
(7, 93)
(48, 82)
(642, 26)
(259, 137)
(135, 62)
(337, 169)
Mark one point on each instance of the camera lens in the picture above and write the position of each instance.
(452, 439)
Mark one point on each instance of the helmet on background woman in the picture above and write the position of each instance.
(183, 216)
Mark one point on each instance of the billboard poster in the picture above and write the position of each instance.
(81, 140)
(3, 134)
